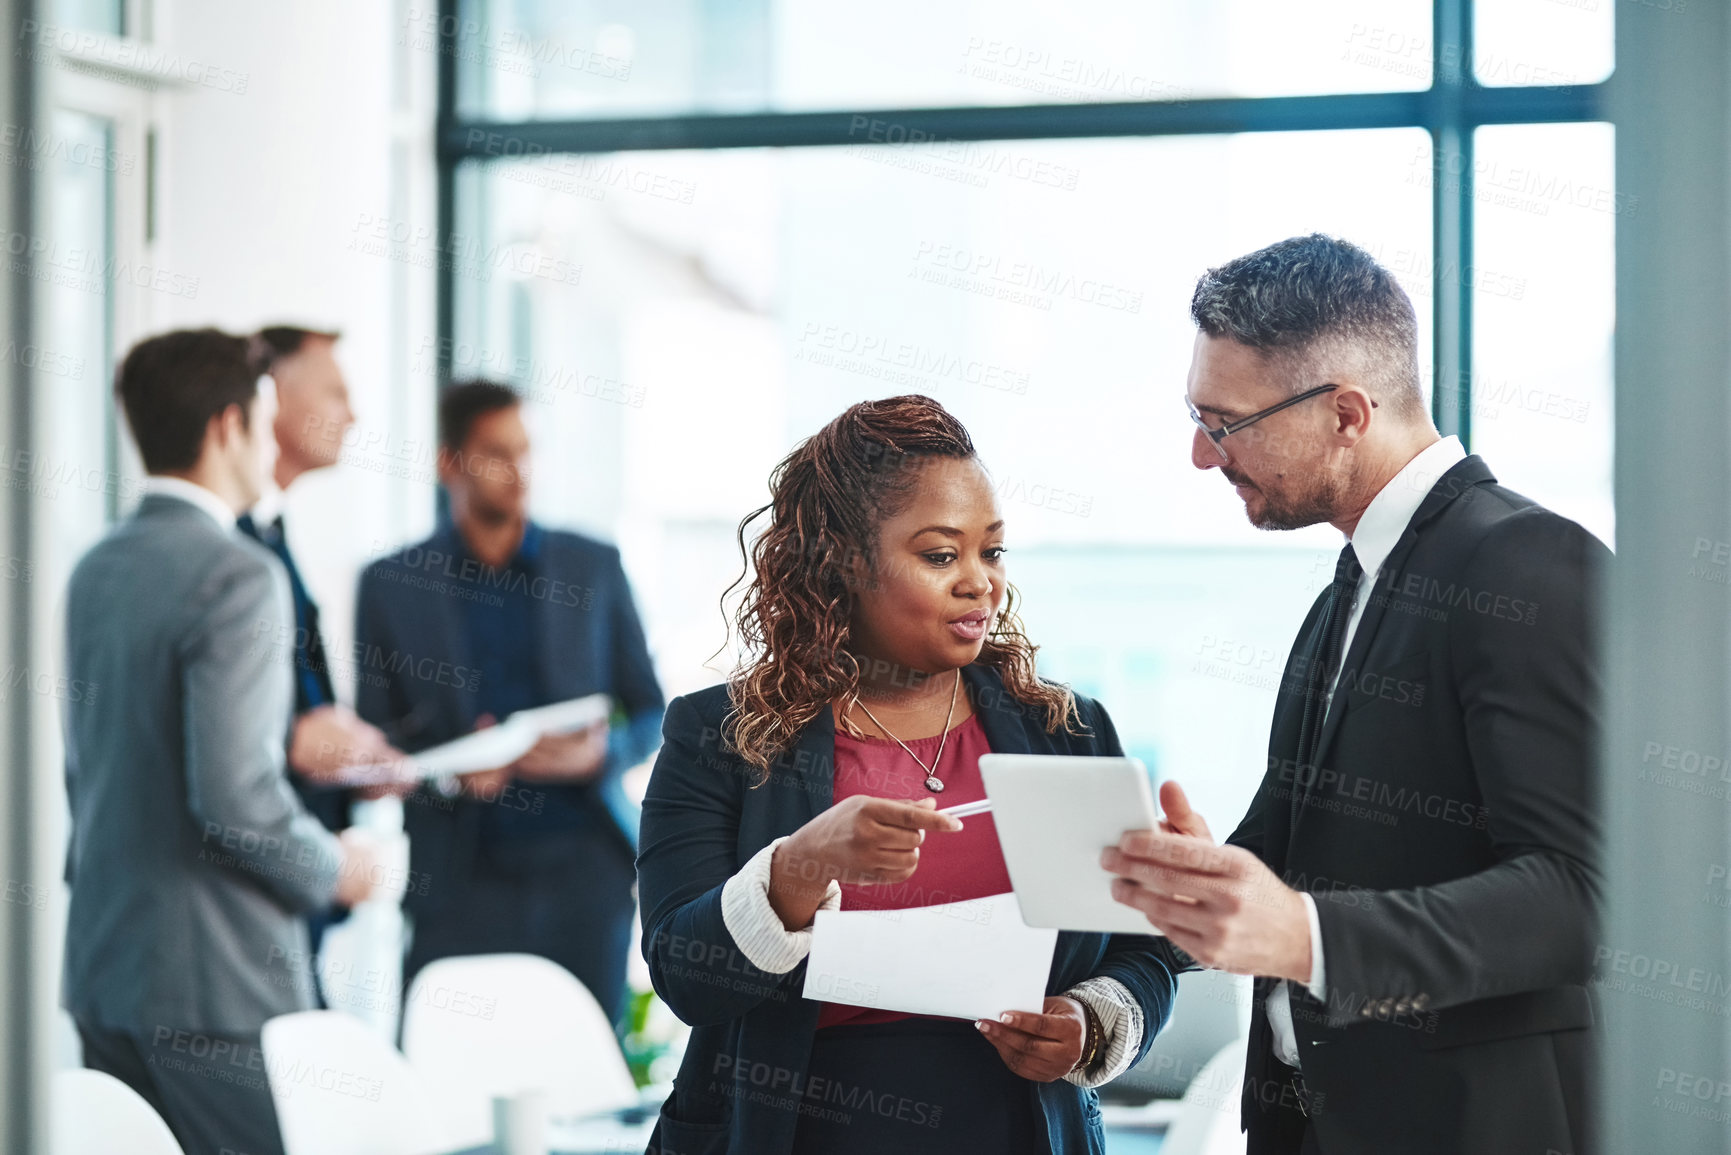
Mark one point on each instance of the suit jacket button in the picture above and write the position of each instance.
(1403, 1006)
(1420, 1002)
(1368, 1009)
(1385, 1008)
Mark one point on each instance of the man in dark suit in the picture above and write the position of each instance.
(312, 416)
(192, 863)
(1416, 881)
(491, 615)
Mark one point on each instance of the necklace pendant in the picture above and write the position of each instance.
(933, 784)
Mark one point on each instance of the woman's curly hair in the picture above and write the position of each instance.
(827, 499)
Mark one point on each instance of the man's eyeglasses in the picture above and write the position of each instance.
(1227, 429)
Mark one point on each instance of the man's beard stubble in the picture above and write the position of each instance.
(1300, 504)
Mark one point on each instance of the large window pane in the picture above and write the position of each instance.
(524, 59)
(1547, 42)
(1545, 207)
(105, 16)
(692, 315)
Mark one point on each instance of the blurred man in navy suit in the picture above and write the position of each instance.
(491, 615)
(312, 416)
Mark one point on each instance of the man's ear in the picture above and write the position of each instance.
(226, 427)
(449, 464)
(1352, 413)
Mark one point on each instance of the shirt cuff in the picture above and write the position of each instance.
(1120, 1017)
(1318, 975)
(753, 923)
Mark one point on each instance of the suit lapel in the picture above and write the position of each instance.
(315, 645)
(320, 665)
(448, 639)
(1283, 820)
(1449, 488)
(811, 763)
(1004, 719)
(559, 651)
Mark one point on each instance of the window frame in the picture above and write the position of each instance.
(1450, 110)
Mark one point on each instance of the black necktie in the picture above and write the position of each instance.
(1326, 657)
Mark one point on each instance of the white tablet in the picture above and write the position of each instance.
(1054, 815)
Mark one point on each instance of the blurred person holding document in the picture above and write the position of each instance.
(493, 617)
(192, 862)
(884, 658)
(1415, 884)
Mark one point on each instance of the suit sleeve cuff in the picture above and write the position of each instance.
(1121, 1018)
(753, 923)
(1317, 984)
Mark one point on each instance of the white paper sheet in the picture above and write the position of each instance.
(486, 749)
(564, 717)
(493, 747)
(965, 960)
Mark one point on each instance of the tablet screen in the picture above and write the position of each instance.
(1055, 814)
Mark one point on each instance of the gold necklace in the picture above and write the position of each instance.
(933, 782)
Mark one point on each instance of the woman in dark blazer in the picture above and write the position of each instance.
(882, 658)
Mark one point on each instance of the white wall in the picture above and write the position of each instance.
(268, 196)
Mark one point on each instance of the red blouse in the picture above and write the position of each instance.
(953, 867)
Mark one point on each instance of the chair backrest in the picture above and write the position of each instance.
(484, 1025)
(97, 1114)
(1211, 1010)
(340, 1089)
(1207, 1122)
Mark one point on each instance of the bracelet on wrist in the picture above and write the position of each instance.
(1093, 1039)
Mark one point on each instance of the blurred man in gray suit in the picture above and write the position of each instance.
(192, 862)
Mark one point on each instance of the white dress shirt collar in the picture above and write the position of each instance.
(269, 505)
(192, 493)
(1393, 508)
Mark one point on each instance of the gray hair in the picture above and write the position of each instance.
(1318, 295)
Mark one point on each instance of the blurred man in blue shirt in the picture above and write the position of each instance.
(491, 615)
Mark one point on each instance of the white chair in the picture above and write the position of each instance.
(1208, 1118)
(485, 1025)
(339, 1089)
(1212, 1009)
(97, 1114)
